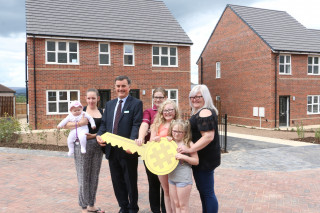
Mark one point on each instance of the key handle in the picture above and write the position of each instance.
(159, 157)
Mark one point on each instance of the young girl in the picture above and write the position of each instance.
(167, 112)
(180, 179)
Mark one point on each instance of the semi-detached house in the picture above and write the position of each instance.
(264, 67)
(73, 45)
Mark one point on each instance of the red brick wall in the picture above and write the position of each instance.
(248, 76)
(245, 70)
(299, 85)
(90, 75)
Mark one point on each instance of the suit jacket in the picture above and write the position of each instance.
(129, 123)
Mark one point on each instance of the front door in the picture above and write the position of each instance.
(284, 110)
(105, 95)
(135, 93)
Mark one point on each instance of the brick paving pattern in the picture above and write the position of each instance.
(254, 177)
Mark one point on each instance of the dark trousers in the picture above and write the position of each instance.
(124, 175)
(156, 195)
(205, 185)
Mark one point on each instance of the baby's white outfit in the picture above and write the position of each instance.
(80, 131)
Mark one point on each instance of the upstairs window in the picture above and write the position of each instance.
(218, 73)
(313, 65)
(128, 55)
(62, 52)
(285, 64)
(104, 54)
(164, 56)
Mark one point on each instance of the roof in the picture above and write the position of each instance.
(138, 20)
(279, 30)
(4, 89)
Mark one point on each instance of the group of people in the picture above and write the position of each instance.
(197, 139)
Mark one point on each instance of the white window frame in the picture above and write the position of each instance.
(285, 64)
(165, 55)
(57, 101)
(313, 65)
(104, 53)
(312, 104)
(56, 51)
(218, 98)
(168, 91)
(218, 69)
(124, 54)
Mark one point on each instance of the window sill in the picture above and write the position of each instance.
(285, 74)
(62, 64)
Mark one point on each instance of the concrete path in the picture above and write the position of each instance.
(257, 175)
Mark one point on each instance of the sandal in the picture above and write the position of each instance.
(98, 210)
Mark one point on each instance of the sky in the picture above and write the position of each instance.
(197, 17)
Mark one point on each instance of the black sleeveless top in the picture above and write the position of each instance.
(96, 120)
(209, 156)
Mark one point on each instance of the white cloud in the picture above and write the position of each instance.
(199, 34)
(12, 60)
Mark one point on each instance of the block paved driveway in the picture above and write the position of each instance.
(255, 176)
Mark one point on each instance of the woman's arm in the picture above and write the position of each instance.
(206, 137)
(72, 125)
(143, 131)
(193, 159)
(91, 136)
(153, 136)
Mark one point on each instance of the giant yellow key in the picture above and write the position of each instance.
(159, 157)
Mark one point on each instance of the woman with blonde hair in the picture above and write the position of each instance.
(204, 128)
(167, 112)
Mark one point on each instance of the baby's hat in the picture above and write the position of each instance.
(75, 104)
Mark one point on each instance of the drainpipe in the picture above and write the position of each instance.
(34, 82)
(275, 88)
(26, 72)
(201, 71)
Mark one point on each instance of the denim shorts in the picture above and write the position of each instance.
(180, 184)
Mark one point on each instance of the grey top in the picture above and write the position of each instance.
(138, 20)
(182, 173)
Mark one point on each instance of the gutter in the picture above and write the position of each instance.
(201, 71)
(275, 88)
(55, 37)
(26, 73)
(34, 82)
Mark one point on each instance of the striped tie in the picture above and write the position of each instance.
(116, 119)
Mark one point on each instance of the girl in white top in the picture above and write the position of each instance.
(75, 115)
(180, 179)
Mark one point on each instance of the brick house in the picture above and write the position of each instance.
(75, 45)
(263, 64)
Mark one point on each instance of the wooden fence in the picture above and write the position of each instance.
(6, 106)
(21, 110)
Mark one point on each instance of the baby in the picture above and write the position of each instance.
(75, 115)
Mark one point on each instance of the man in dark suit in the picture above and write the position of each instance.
(122, 116)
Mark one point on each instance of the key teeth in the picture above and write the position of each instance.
(121, 146)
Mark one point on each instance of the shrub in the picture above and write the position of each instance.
(9, 126)
(317, 135)
(300, 130)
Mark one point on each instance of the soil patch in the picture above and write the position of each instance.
(308, 140)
